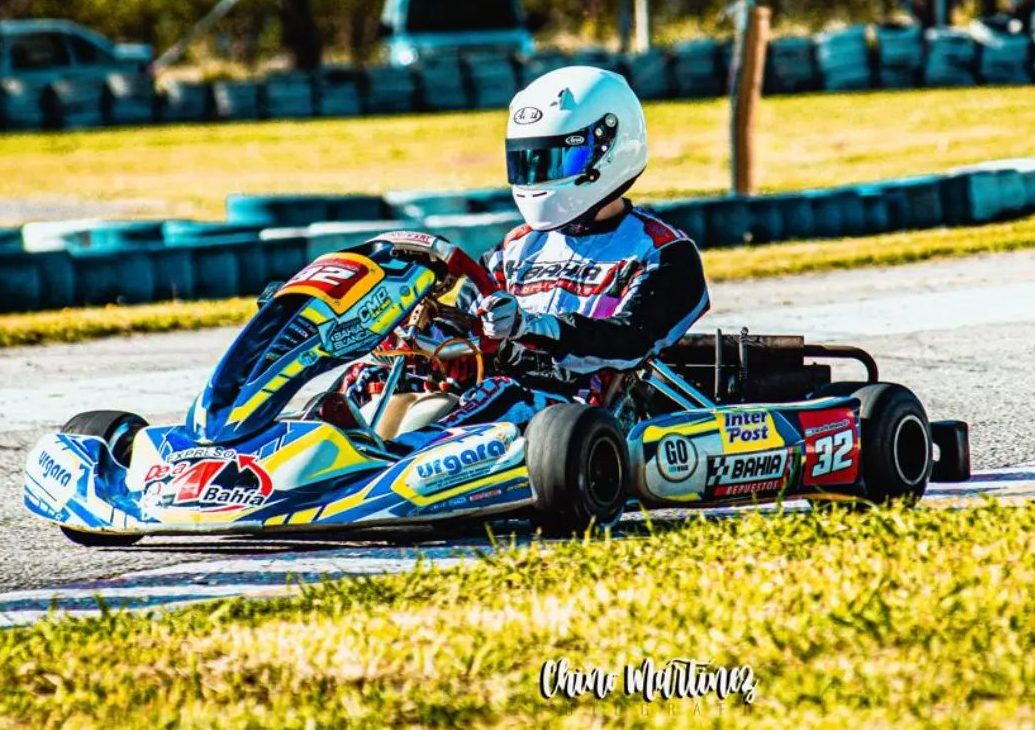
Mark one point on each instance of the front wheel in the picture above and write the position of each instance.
(117, 429)
(578, 463)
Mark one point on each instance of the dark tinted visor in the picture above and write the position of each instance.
(542, 159)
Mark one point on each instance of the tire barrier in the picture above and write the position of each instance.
(843, 58)
(540, 64)
(337, 93)
(951, 58)
(696, 70)
(237, 100)
(854, 58)
(129, 99)
(1003, 58)
(790, 66)
(269, 237)
(73, 103)
(648, 74)
(389, 90)
(289, 96)
(182, 101)
(282, 211)
(20, 107)
(491, 79)
(440, 84)
(900, 56)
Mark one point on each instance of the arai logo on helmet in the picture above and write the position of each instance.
(527, 115)
(575, 140)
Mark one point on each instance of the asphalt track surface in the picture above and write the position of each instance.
(959, 333)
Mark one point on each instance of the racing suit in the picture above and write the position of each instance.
(603, 297)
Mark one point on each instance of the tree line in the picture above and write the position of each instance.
(311, 29)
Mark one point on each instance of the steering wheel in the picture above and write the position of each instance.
(441, 255)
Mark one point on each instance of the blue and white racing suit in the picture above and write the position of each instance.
(603, 298)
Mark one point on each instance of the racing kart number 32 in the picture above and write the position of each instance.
(831, 447)
(338, 279)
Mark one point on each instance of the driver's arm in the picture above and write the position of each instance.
(657, 308)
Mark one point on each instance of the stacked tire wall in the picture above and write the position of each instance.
(269, 238)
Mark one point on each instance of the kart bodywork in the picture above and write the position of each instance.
(241, 464)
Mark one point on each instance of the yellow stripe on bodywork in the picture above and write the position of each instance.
(314, 315)
(304, 517)
(347, 456)
(346, 503)
(193, 516)
(403, 489)
(249, 407)
(656, 433)
(274, 521)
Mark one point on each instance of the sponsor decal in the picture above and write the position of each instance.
(56, 471)
(740, 490)
(831, 447)
(374, 305)
(745, 468)
(527, 115)
(487, 494)
(457, 462)
(337, 279)
(575, 140)
(748, 430)
(581, 278)
(677, 458)
(201, 452)
(828, 427)
(346, 336)
(744, 474)
(453, 464)
(52, 470)
(333, 276)
(209, 482)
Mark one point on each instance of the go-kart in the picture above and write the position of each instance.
(772, 426)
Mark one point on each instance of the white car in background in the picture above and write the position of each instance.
(415, 30)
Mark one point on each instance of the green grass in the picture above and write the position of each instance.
(76, 325)
(891, 618)
(804, 141)
(721, 265)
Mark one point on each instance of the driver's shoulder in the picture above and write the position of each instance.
(655, 229)
(515, 235)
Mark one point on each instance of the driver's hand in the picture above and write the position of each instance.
(501, 315)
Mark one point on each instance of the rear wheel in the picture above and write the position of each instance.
(578, 463)
(117, 429)
(896, 440)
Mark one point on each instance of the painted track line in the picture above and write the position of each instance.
(264, 575)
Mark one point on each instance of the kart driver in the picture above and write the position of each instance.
(589, 284)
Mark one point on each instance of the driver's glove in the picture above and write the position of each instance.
(502, 317)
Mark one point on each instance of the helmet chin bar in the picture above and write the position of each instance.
(586, 218)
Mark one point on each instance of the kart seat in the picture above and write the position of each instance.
(408, 412)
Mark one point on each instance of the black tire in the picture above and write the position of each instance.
(117, 428)
(578, 463)
(896, 440)
(953, 441)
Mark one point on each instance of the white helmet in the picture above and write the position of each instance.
(576, 140)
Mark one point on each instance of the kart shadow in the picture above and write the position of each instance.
(468, 535)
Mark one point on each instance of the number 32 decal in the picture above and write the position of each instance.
(833, 454)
